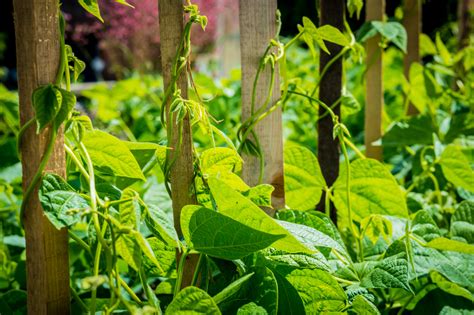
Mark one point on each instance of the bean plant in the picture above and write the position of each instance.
(404, 236)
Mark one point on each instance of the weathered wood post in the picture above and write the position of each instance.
(171, 19)
(375, 10)
(258, 25)
(332, 13)
(37, 51)
(412, 24)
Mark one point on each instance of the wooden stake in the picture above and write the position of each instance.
(37, 51)
(332, 13)
(375, 10)
(412, 24)
(171, 19)
(257, 27)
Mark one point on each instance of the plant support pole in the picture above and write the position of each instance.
(412, 24)
(38, 57)
(171, 19)
(332, 13)
(258, 25)
(374, 84)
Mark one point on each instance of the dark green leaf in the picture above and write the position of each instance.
(192, 301)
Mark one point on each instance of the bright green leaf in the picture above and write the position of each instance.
(47, 102)
(192, 301)
(304, 181)
(218, 235)
(443, 243)
(456, 167)
(234, 205)
(92, 7)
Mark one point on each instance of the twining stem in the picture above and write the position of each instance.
(179, 278)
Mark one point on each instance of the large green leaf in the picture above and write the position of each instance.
(443, 243)
(216, 159)
(61, 204)
(108, 152)
(232, 204)
(331, 34)
(392, 31)
(388, 273)
(192, 301)
(275, 257)
(424, 226)
(373, 190)
(311, 237)
(456, 168)
(450, 287)
(462, 222)
(314, 219)
(304, 181)
(318, 290)
(217, 235)
(289, 301)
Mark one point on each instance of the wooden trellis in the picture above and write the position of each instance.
(375, 10)
(37, 43)
(258, 26)
(37, 51)
(412, 24)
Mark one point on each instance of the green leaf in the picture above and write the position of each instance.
(130, 210)
(232, 204)
(264, 289)
(443, 51)
(314, 219)
(161, 225)
(215, 159)
(417, 93)
(166, 255)
(331, 34)
(129, 250)
(304, 181)
(311, 237)
(232, 290)
(146, 249)
(354, 6)
(360, 305)
(456, 168)
(373, 190)
(109, 152)
(448, 310)
(47, 102)
(443, 243)
(217, 235)
(394, 32)
(427, 47)
(251, 309)
(417, 129)
(375, 227)
(318, 290)
(92, 7)
(423, 225)
(450, 287)
(261, 195)
(192, 301)
(277, 257)
(61, 204)
(388, 273)
(68, 101)
(289, 301)
(462, 222)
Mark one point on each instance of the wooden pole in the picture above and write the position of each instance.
(465, 22)
(412, 24)
(171, 19)
(37, 51)
(332, 13)
(375, 10)
(258, 26)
